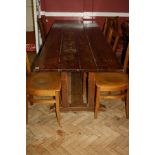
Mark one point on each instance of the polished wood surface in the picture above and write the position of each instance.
(76, 46)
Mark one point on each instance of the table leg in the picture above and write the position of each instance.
(64, 84)
(91, 89)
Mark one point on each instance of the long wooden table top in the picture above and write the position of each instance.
(76, 46)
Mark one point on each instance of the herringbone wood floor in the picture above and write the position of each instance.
(80, 134)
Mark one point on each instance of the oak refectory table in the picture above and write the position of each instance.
(76, 46)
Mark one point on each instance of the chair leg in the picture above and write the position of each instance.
(26, 109)
(123, 99)
(58, 107)
(109, 93)
(97, 104)
(30, 96)
(127, 106)
(84, 84)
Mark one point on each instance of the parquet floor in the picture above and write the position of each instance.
(80, 133)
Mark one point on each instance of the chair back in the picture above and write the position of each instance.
(105, 27)
(28, 68)
(112, 38)
(126, 61)
(109, 35)
(110, 22)
(115, 43)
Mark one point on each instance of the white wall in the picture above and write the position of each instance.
(29, 16)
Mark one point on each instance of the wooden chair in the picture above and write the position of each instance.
(110, 22)
(104, 30)
(42, 88)
(42, 27)
(112, 38)
(111, 82)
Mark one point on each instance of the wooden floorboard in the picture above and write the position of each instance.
(80, 132)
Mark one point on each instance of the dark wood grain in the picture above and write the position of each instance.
(104, 58)
(76, 46)
(48, 58)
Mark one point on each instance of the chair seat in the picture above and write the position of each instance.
(43, 83)
(111, 81)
